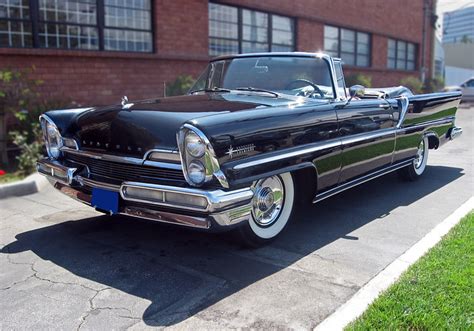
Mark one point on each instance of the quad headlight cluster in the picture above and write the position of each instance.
(52, 137)
(197, 156)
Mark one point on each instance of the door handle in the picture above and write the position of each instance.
(385, 106)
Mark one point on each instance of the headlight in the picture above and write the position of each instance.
(196, 172)
(194, 145)
(53, 139)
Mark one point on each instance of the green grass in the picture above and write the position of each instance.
(11, 177)
(436, 293)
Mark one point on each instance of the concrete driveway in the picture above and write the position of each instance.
(65, 266)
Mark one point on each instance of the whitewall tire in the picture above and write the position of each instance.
(416, 169)
(272, 207)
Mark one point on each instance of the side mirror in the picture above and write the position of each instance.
(356, 91)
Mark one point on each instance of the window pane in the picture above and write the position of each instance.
(15, 9)
(281, 48)
(223, 46)
(391, 48)
(127, 18)
(391, 63)
(255, 18)
(362, 38)
(67, 36)
(15, 34)
(331, 41)
(282, 33)
(70, 11)
(363, 49)
(250, 47)
(347, 35)
(330, 32)
(348, 58)
(411, 52)
(410, 65)
(126, 40)
(223, 23)
(362, 60)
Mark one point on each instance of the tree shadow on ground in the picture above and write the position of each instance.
(170, 265)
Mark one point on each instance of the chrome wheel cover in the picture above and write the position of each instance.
(268, 200)
(420, 155)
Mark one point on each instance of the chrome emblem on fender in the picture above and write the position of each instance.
(240, 150)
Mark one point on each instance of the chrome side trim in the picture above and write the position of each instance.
(403, 104)
(367, 136)
(316, 148)
(217, 200)
(72, 141)
(361, 180)
(426, 124)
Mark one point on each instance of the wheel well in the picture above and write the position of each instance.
(433, 140)
(305, 183)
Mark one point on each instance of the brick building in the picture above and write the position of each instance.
(95, 51)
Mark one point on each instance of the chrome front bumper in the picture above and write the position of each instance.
(185, 206)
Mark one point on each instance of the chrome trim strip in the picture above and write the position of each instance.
(105, 157)
(403, 104)
(167, 155)
(52, 166)
(83, 181)
(122, 159)
(71, 140)
(426, 124)
(341, 142)
(361, 180)
(367, 136)
(163, 165)
(217, 200)
(165, 217)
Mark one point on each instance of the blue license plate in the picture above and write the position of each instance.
(105, 200)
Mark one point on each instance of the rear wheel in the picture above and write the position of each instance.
(272, 206)
(416, 169)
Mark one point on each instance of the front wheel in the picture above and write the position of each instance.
(272, 206)
(418, 166)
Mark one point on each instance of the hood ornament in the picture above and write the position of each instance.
(124, 100)
(125, 104)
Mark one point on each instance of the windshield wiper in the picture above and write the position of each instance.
(214, 89)
(254, 89)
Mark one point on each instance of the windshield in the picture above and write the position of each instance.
(299, 76)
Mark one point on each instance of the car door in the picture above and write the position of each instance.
(366, 128)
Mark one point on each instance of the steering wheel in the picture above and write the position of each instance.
(313, 85)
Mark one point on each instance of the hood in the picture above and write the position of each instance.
(137, 127)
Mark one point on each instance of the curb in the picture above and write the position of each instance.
(31, 184)
(356, 305)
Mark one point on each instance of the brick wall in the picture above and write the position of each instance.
(181, 43)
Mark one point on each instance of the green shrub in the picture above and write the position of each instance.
(413, 83)
(358, 79)
(180, 85)
(434, 84)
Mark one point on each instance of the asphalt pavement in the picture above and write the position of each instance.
(64, 266)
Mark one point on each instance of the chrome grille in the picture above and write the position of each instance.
(126, 172)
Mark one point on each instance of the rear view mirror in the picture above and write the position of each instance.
(356, 91)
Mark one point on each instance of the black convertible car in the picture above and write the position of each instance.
(255, 135)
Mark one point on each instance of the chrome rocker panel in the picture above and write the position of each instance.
(224, 209)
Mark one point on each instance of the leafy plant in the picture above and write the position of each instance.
(358, 79)
(413, 83)
(434, 84)
(180, 85)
